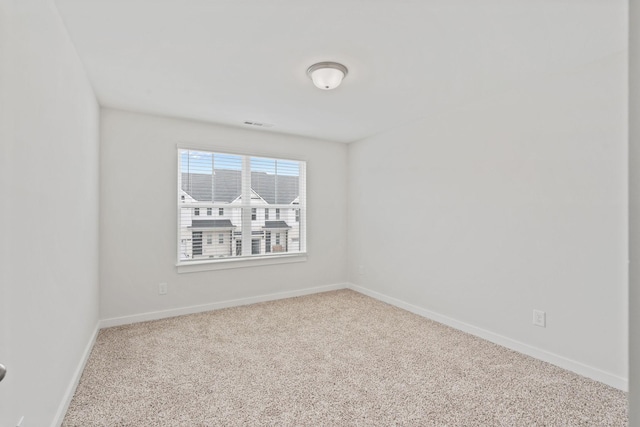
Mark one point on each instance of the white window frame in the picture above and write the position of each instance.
(246, 260)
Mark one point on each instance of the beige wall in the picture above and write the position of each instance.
(513, 203)
(138, 161)
(49, 225)
(634, 213)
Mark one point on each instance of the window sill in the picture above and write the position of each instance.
(209, 265)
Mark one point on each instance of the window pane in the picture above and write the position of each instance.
(197, 235)
(283, 235)
(210, 177)
(276, 181)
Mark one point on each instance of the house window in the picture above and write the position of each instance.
(238, 186)
(255, 247)
(196, 243)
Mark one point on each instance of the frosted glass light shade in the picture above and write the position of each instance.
(327, 75)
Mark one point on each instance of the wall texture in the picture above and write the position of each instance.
(138, 159)
(503, 206)
(49, 128)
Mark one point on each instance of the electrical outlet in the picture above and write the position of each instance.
(540, 318)
(162, 289)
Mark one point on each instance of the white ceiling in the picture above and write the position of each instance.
(227, 61)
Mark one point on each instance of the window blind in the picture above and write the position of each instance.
(256, 206)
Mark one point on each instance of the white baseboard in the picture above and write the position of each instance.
(155, 315)
(71, 388)
(563, 362)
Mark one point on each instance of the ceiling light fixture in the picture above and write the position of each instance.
(327, 75)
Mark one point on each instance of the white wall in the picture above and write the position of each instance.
(634, 213)
(49, 129)
(137, 250)
(511, 204)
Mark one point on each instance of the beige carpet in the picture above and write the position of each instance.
(331, 359)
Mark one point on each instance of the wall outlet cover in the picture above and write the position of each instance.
(162, 289)
(539, 318)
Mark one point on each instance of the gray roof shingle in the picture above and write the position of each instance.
(276, 224)
(225, 185)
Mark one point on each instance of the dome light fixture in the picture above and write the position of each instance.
(327, 75)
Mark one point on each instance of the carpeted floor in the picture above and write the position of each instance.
(331, 359)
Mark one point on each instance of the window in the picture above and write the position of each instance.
(196, 244)
(239, 186)
(255, 247)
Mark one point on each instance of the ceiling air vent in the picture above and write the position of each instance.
(258, 124)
